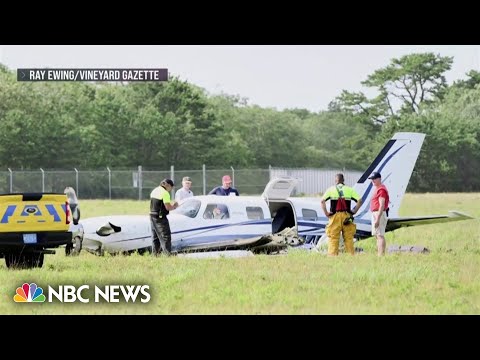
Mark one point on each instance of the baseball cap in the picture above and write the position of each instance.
(226, 178)
(187, 178)
(375, 175)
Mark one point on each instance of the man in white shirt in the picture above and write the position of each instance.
(184, 192)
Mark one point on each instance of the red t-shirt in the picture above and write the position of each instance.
(379, 192)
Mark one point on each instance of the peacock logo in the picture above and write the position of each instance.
(29, 293)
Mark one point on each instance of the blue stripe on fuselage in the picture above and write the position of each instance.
(370, 186)
(210, 227)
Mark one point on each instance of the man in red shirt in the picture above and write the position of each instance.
(379, 209)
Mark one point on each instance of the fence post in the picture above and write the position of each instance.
(76, 181)
(109, 183)
(233, 176)
(140, 181)
(204, 175)
(43, 180)
(11, 180)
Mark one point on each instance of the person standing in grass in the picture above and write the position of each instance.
(379, 209)
(340, 216)
(160, 206)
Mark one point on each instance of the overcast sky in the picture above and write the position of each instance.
(270, 76)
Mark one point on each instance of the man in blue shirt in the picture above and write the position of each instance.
(226, 189)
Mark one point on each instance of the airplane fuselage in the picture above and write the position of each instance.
(211, 222)
(193, 226)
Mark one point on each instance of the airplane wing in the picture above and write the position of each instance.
(287, 237)
(398, 222)
(234, 244)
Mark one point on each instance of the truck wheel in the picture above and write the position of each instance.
(16, 261)
(68, 249)
(24, 261)
(11, 260)
(36, 260)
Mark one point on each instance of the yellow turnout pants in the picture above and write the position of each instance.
(335, 227)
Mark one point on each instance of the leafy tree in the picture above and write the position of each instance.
(471, 83)
(272, 137)
(300, 113)
(231, 142)
(339, 140)
(376, 110)
(186, 128)
(406, 83)
(450, 156)
(412, 79)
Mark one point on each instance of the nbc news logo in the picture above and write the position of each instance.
(29, 293)
(69, 293)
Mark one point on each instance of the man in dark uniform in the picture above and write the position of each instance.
(226, 189)
(160, 206)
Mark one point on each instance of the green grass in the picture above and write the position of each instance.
(446, 281)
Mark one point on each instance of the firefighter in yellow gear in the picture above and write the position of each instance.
(340, 216)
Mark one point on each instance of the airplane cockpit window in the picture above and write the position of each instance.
(309, 214)
(216, 211)
(188, 208)
(255, 213)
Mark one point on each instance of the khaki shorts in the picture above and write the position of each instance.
(381, 226)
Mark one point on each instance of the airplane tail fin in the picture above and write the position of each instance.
(395, 163)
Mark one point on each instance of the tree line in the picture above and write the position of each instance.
(60, 125)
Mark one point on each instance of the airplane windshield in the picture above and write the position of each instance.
(188, 208)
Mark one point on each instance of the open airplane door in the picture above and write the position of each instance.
(279, 188)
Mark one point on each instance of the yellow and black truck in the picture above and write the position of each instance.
(31, 224)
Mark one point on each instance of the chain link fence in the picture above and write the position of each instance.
(138, 183)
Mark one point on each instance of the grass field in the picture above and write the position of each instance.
(446, 281)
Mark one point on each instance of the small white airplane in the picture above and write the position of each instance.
(210, 222)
